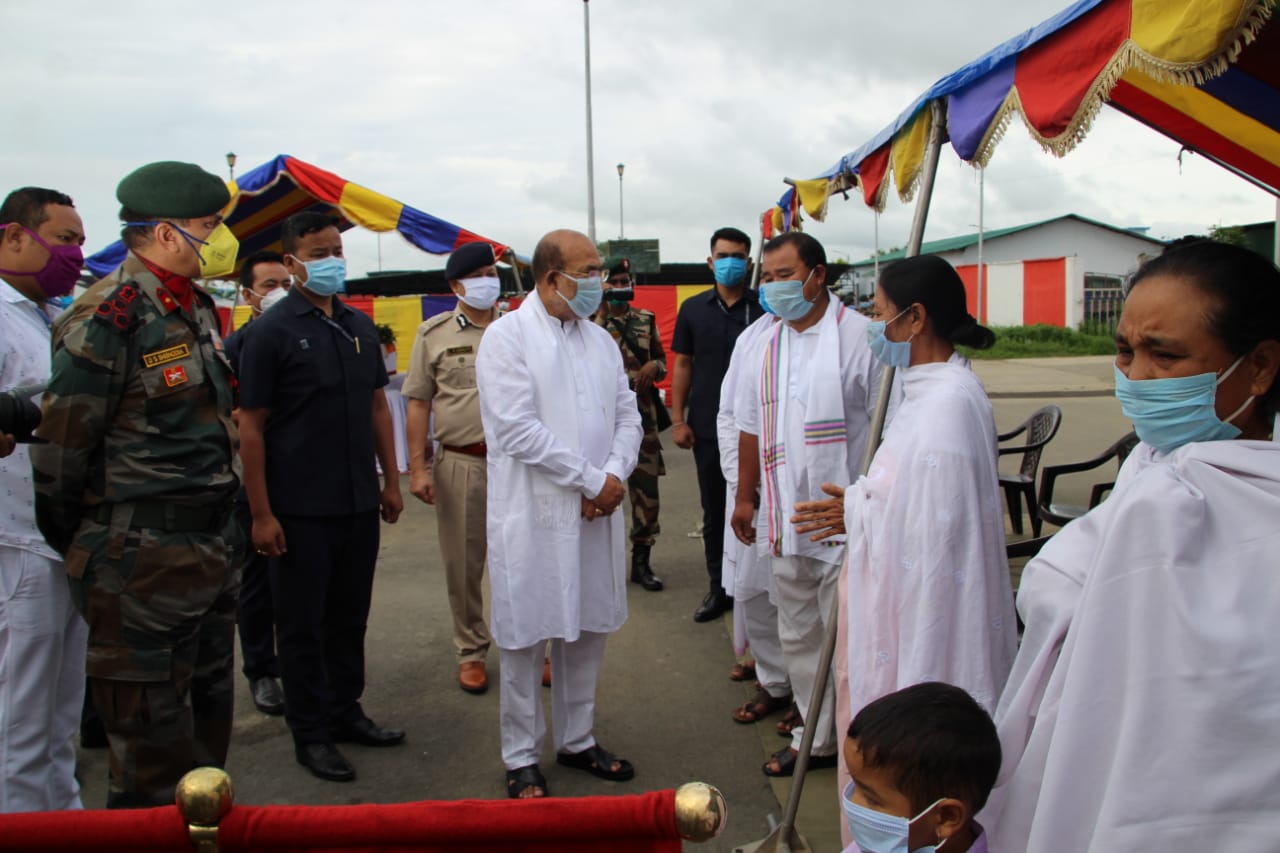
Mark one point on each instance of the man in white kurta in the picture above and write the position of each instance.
(746, 576)
(804, 423)
(42, 636)
(563, 434)
(1143, 709)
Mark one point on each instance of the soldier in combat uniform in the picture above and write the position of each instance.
(636, 332)
(134, 486)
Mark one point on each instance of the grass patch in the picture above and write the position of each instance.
(1042, 341)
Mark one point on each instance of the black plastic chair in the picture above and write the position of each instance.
(1059, 513)
(1040, 429)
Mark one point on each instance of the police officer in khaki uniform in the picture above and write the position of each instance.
(442, 384)
(135, 480)
(636, 332)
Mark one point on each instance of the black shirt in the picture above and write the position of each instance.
(706, 330)
(317, 376)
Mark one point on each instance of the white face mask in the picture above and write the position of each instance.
(480, 293)
(273, 297)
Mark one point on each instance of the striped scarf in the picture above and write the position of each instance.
(825, 431)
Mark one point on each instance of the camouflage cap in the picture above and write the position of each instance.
(616, 266)
(168, 188)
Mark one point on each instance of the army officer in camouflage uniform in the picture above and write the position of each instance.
(134, 486)
(636, 332)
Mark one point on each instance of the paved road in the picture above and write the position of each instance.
(664, 698)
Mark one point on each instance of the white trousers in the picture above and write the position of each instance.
(575, 668)
(760, 619)
(804, 588)
(42, 648)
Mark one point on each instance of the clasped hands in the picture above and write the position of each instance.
(609, 499)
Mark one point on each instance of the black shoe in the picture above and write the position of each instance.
(268, 697)
(367, 733)
(93, 734)
(324, 761)
(712, 607)
(640, 571)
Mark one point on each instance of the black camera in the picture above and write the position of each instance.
(19, 416)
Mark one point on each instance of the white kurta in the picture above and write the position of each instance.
(745, 572)
(1143, 710)
(859, 375)
(929, 597)
(558, 417)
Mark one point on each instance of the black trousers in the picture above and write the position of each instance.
(255, 617)
(322, 586)
(711, 487)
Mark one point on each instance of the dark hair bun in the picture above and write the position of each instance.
(971, 334)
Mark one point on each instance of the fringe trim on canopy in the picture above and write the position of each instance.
(1129, 55)
(1253, 16)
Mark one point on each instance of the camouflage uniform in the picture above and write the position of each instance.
(135, 489)
(640, 328)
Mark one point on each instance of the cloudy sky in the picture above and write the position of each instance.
(474, 112)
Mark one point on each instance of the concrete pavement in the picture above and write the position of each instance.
(664, 700)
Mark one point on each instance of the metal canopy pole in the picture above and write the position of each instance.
(785, 839)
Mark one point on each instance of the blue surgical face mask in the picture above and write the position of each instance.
(585, 302)
(730, 272)
(891, 353)
(877, 832)
(325, 276)
(1168, 413)
(785, 299)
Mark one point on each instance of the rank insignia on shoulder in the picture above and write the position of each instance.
(175, 375)
(164, 356)
(115, 308)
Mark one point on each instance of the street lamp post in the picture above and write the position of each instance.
(591, 185)
(231, 165)
(622, 229)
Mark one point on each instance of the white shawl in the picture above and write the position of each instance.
(1143, 710)
(928, 591)
(558, 416)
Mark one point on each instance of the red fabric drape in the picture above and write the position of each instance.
(641, 823)
(123, 831)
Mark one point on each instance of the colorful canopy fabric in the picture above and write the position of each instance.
(263, 198)
(1203, 72)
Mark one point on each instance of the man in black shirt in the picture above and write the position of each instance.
(706, 328)
(312, 415)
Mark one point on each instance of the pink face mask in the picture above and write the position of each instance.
(60, 273)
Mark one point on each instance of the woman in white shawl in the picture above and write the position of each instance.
(1143, 710)
(926, 594)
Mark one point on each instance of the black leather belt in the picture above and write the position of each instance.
(171, 517)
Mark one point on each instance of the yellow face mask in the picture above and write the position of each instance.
(218, 253)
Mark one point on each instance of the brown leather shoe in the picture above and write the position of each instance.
(472, 677)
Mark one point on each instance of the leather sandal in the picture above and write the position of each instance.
(744, 671)
(598, 762)
(760, 706)
(786, 758)
(790, 720)
(522, 779)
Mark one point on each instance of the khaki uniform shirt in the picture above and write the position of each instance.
(442, 370)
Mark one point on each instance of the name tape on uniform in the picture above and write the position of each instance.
(164, 356)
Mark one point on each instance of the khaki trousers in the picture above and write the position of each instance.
(461, 493)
